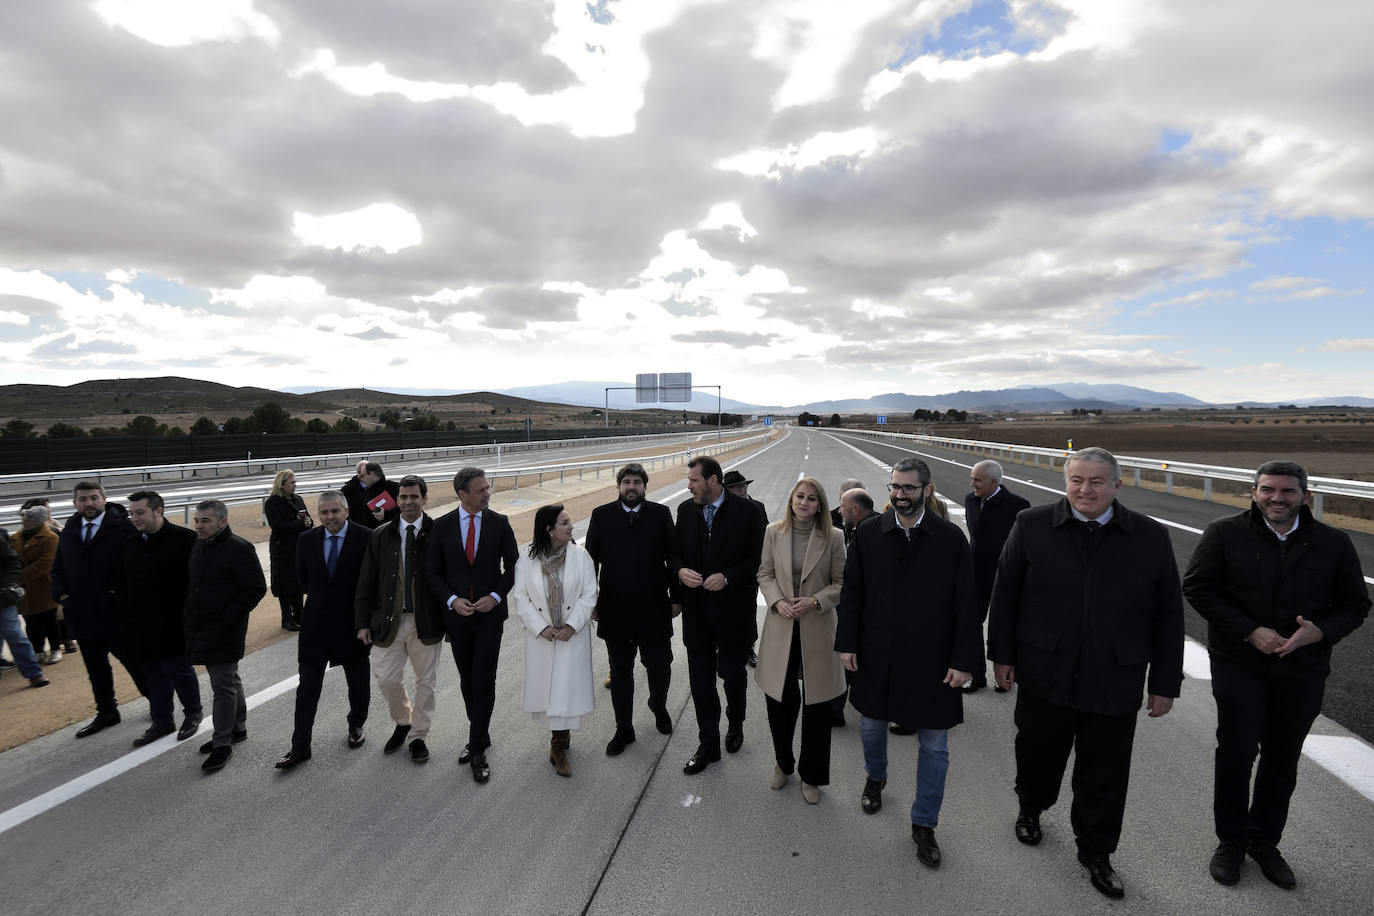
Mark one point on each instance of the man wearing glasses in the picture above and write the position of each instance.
(910, 633)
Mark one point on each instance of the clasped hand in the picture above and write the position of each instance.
(561, 634)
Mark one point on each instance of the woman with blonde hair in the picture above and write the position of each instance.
(801, 572)
(554, 596)
(287, 516)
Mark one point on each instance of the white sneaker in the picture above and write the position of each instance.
(54, 656)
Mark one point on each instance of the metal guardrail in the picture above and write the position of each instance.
(246, 466)
(1318, 486)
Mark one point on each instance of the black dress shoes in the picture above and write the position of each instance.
(289, 623)
(1101, 873)
(662, 721)
(219, 756)
(465, 755)
(292, 760)
(734, 739)
(102, 721)
(235, 738)
(153, 733)
(481, 770)
(1226, 863)
(1273, 866)
(419, 752)
(1028, 828)
(704, 757)
(398, 737)
(189, 726)
(927, 850)
(356, 738)
(622, 738)
(872, 800)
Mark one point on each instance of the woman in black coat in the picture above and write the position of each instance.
(287, 517)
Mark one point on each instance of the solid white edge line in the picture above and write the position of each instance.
(1347, 758)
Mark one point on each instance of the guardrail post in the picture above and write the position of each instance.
(1137, 477)
(1207, 489)
(1168, 481)
(1317, 506)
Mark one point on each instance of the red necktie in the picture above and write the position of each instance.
(472, 539)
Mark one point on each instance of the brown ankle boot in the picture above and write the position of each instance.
(558, 752)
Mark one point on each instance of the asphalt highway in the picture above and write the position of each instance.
(92, 826)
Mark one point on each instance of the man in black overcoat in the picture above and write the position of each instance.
(471, 568)
(329, 558)
(83, 575)
(367, 486)
(632, 541)
(989, 509)
(719, 542)
(909, 633)
(226, 583)
(152, 581)
(1086, 604)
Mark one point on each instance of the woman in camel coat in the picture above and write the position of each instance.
(800, 573)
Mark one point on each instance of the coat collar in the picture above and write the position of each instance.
(1063, 514)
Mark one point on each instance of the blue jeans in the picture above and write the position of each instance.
(13, 633)
(932, 765)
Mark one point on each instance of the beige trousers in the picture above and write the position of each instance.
(389, 665)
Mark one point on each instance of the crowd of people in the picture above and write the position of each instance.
(884, 611)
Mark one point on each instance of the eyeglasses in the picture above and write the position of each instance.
(906, 489)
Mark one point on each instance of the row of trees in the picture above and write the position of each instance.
(934, 416)
(726, 419)
(267, 418)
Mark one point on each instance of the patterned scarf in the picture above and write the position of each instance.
(553, 583)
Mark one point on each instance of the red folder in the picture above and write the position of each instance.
(384, 502)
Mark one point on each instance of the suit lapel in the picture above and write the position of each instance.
(814, 548)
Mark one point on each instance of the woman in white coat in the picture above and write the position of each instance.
(554, 595)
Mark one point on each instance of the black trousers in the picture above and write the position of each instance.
(291, 604)
(711, 653)
(656, 654)
(814, 767)
(356, 672)
(1268, 716)
(1045, 733)
(95, 655)
(476, 642)
(172, 675)
(43, 626)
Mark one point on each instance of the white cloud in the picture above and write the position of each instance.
(178, 23)
(377, 226)
(728, 215)
(1349, 345)
(858, 143)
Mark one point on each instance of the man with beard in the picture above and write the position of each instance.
(154, 566)
(909, 633)
(719, 543)
(632, 541)
(88, 553)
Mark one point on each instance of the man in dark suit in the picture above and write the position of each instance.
(471, 567)
(364, 489)
(226, 583)
(152, 584)
(1103, 608)
(329, 558)
(83, 581)
(631, 541)
(855, 506)
(836, 514)
(719, 542)
(738, 485)
(989, 511)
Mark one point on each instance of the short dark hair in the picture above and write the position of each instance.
(709, 466)
(860, 497)
(914, 464)
(541, 544)
(465, 476)
(213, 506)
(1281, 468)
(35, 501)
(632, 469)
(87, 485)
(414, 480)
(152, 496)
(373, 467)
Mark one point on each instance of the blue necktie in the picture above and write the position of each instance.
(710, 515)
(332, 554)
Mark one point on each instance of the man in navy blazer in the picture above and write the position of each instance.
(471, 567)
(719, 542)
(329, 558)
(990, 509)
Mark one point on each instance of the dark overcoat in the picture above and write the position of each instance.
(908, 611)
(327, 631)
(284, 518)
(154, 574)
(226, 583)
(85, 573)
(633, 554)
(733, 547)
(374, 605)
(1083, 620)
(989, 524)
(357, 496)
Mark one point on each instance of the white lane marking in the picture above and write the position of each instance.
(1347, 758)
(1196, 662)
(71, 789)
(690, 800)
